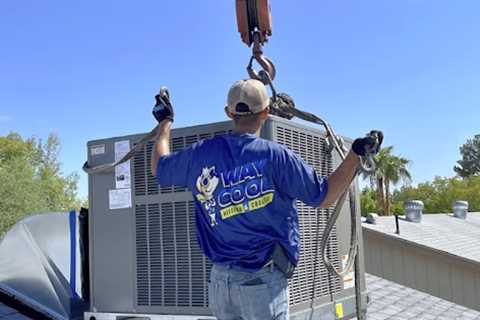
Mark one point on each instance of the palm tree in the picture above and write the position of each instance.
(390, 170)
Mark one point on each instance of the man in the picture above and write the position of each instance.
(244, 189)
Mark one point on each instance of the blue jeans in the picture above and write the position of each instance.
(239, 295)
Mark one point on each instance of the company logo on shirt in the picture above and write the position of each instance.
(242, 189)
(207, 183)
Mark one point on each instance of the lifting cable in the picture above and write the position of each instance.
(255, 32)
(164, 97)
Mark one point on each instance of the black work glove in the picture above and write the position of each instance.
(163, 107)
(370, 145)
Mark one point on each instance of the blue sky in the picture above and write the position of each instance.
(89, 69)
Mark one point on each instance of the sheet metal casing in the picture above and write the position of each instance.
(145, 259)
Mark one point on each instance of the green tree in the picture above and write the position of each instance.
(390, 171)
(469, 165)
(368, 201)
(439, 194)
(32, 180)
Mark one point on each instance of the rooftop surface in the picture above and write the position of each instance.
(391, 301)
(388, 301)
(440, 232)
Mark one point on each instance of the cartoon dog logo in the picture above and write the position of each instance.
(207, 182)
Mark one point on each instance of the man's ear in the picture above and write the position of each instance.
(264, 113)
(228, 113)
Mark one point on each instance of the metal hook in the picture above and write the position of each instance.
(267, 80)
(367, 164)
(266, 64)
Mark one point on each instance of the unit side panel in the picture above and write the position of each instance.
(111, 234)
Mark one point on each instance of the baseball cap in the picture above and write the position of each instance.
(247, 97)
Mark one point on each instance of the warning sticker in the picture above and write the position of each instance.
(120, 199)
(122, 171)
(97, 150)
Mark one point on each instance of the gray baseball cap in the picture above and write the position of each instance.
(247, 97)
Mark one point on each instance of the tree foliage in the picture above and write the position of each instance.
(390, 171)
(31, 179)
(439, 195)
(469, 165)
(369, 203)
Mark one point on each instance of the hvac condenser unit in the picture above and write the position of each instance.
(144, 257)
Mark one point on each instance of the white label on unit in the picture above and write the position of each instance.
(120, 199)
(349, 278)
(122, 171)
(97, 150)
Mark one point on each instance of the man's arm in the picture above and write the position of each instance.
(162, 144)
(341, 179)
(163, 112)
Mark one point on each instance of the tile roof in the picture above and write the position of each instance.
(391, 301)
(440, 232)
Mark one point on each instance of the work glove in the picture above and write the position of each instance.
(163, 109)
(368, 146)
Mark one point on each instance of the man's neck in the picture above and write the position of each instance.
(255, 131)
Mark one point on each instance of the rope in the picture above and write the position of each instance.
(105, 168)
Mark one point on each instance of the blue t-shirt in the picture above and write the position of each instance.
(244, 189)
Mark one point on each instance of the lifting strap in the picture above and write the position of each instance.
(109, 167)
(163, 97)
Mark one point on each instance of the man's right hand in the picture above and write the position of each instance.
(163, 109)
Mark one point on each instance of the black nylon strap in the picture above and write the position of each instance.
(104, 168)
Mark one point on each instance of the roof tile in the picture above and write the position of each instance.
(441, 232)
(391, 301)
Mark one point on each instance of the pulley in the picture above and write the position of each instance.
(254, 22)
(252, 16)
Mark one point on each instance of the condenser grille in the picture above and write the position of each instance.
(144, 182)
(139, 173)
(303, 286)
(171, 270)
(152, 185)
(143, 255)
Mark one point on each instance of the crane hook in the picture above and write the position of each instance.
(264, 62)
